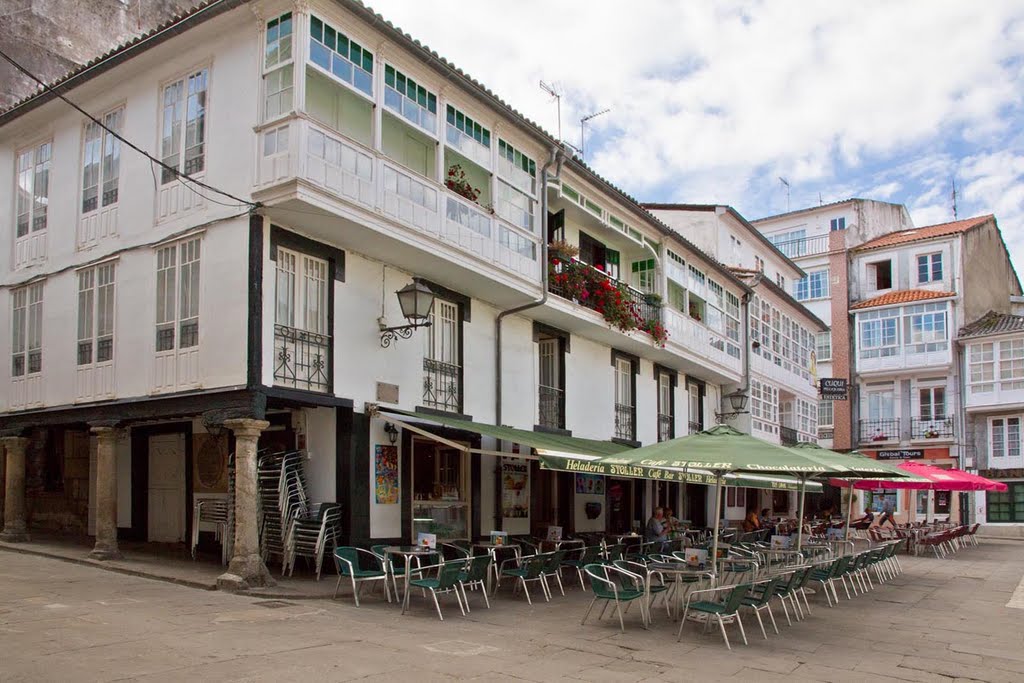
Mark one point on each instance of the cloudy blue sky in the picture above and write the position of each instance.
(713, 102)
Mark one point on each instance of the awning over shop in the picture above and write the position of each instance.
(583, 456)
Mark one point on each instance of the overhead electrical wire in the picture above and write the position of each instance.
(177, 174)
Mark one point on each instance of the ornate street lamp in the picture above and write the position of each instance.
(416, 301)
(738, 401)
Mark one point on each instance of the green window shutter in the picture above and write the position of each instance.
(316, 29)
(612, 257)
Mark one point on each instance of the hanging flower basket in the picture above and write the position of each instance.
(456, 182)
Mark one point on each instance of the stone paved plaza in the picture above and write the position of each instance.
(941, 620)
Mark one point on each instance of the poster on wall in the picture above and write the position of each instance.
(385, 465)
(590, 483)
(515, 495)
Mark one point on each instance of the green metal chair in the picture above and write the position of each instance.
(604, 582)
(348, 561)
(447, 581)
(529, 568)
(381, 552)
(727, 610)
(760, 598)
(633, 579)
(589, 555)
(615, 552)
(787, 590)
(474, 574)
(553, 568)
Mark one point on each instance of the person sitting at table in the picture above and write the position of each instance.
(751, 522)
(765, 518)
(657, 528)
(865, 521)
(671, 522)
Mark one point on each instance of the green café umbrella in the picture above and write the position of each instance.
(720, 450)
(856, 467)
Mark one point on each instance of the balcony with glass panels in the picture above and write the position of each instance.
(385, 166)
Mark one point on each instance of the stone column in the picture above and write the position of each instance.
(106, 494)
(246, 569)
(15, 528)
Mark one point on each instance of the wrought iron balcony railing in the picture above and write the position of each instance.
(885, 429)
(551, 408)
(788, 436)
(666, 427)
(940, 428)
(581, 278)
(625, 422)
(301, 359)
(442, 385)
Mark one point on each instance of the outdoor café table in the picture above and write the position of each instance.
(408, 552)
(492, 550)
(678, 571)
(630, 539)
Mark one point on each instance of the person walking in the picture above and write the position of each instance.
(888, 509)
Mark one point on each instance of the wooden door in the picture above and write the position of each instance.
(166, 487)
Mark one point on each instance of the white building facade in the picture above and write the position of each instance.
(235, 296)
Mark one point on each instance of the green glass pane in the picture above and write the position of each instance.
(316, 29)
(355, 53)
(612, 256)
(329, 37)
(400, 83)
(342, 48)
(367, 62)
(501, 147)
(272, 26)
(286, 24)
(432, 103)
(486, 138)
(421, 97)
(450, 114)
(460, 120)
(389, 76)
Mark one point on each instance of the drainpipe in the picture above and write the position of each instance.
(556, 159)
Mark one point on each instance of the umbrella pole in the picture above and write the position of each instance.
(849, 511)
(718, 518)
(800, 515)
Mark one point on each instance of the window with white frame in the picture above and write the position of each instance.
(517, 168)
(514, 206)
(278, 68)
(837, 224)
(764, 406)
(410, 100)
(929, 268)
(759, 264)
(780, 280)
(27, 330)
(806, 420)
(625, 415)
(183, 127)
(177, 295)
(823, 346)
(782, 340)
(442, 355)
(1011, 364)
(32, 188)
(96, 314)
(301, 291)
(826, 413)
(926, 328)
(792, 243)
(101, 162)
(1005, 437)
(343, 59)
(981, 367)
(881, 403)
(932, 403)
(644, 275)
(814, 285)
(732, 324)
(878, 333)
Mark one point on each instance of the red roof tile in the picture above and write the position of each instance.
(904, 296)
(924, 233)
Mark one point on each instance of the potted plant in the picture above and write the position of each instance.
(652, 299)
(931, 433)
(459, 184)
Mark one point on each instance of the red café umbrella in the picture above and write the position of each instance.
(928, 478)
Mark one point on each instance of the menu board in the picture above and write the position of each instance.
(515, 488)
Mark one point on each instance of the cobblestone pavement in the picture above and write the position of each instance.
(941, 620)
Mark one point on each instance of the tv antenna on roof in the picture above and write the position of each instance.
(953, 181)
(557, 95)
(583, 124)
(786, 183)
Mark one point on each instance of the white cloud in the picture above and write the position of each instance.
(714, 101)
